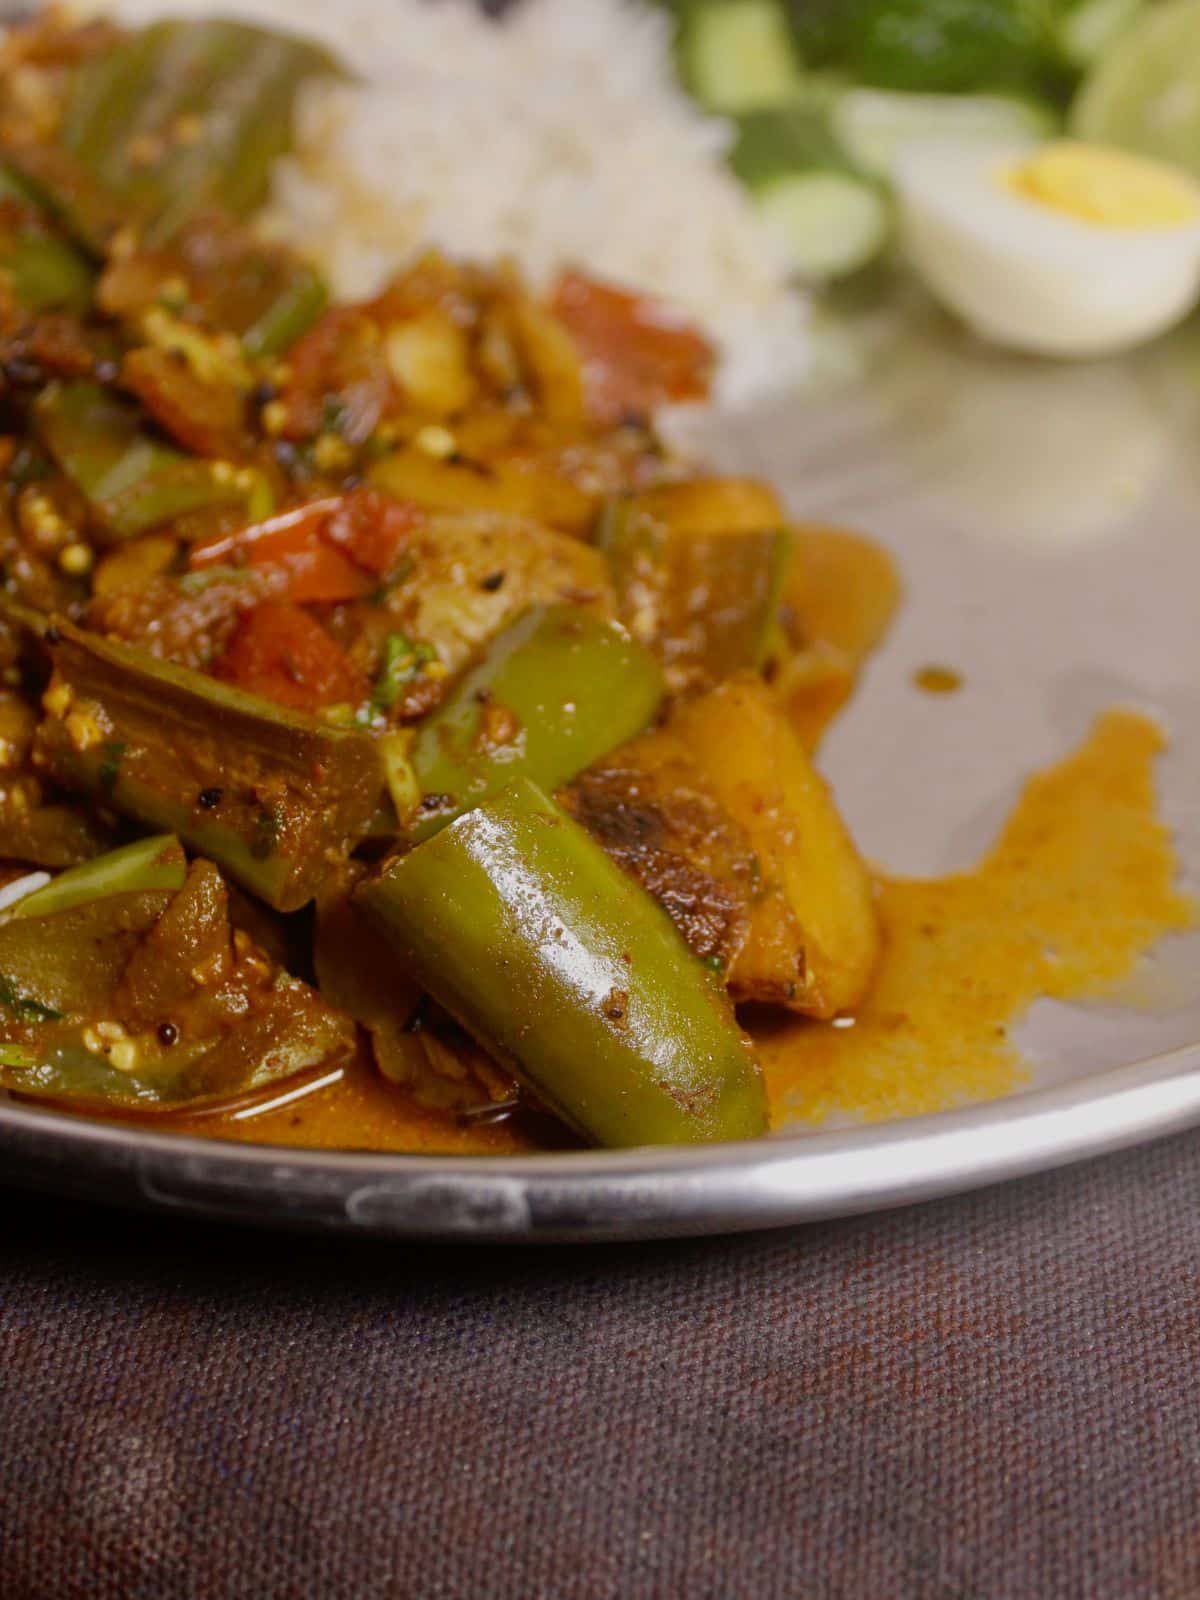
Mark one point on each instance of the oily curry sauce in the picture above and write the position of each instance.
(964, 956)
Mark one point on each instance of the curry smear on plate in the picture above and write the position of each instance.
(963, 958)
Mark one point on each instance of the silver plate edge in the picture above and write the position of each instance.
(598, 1195)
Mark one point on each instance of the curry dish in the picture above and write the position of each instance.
(391, 725)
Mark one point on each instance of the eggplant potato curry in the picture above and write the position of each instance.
(376, 686)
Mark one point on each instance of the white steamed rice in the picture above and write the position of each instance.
(558, 136)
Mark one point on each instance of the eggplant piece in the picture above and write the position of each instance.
(183, 116)
(699, 569)
(124, 982)
(274, 797)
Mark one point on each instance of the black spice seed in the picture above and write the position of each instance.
(436, 802)
(492, 582)
(416, 1020)
(168, 1033)
(23, 372)
(52, 635)
(263, 393)
(209, 798)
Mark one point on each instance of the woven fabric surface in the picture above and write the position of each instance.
(990, 1398)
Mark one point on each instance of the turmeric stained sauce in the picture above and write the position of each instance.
(1080, 884)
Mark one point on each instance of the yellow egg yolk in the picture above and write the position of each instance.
(1107, 187)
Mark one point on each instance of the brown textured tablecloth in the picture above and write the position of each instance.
(989, 1398)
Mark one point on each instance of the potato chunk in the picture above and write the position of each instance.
(721, 816)
(812, 875)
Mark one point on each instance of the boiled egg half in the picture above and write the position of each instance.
(1062, 248)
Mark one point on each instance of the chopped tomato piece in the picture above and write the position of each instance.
(637, 353)
(330, 551)
(284, 654)
(373, 528)
(339, 378)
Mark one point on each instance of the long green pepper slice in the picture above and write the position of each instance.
(553, 693)
(563, 968)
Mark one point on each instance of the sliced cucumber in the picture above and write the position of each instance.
(830, 223)
(874, 125)
(737, 55)
(829, 216)
(1087, 29)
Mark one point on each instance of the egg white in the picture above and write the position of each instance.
(1027, 276)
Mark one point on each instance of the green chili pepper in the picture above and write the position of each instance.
(270, 795)
(705, 602)
(184, 115)
(130, 480)
(563, 968)
(552, 694)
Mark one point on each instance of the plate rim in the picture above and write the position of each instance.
(648, 1192)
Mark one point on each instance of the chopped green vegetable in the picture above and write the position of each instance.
(829, 215)
(131, 481)
(553, 693)
(46, 274)
(1144, 93)
(563, 968)
(1086, 30)
(297, 303)
(930, 46)
(402, 661)
(184, 115)
(144, 867)
(737, 55)
(873, 125)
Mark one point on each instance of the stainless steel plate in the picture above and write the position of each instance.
(1046, 519)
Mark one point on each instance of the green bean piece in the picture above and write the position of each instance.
(564, 969)
(554, 692)
(131, 481)
(272, 796)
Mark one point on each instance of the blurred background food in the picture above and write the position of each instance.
(737, 157)
(826, 93)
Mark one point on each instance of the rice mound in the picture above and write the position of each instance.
(557, 137)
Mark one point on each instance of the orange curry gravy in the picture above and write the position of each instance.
(964, 957)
